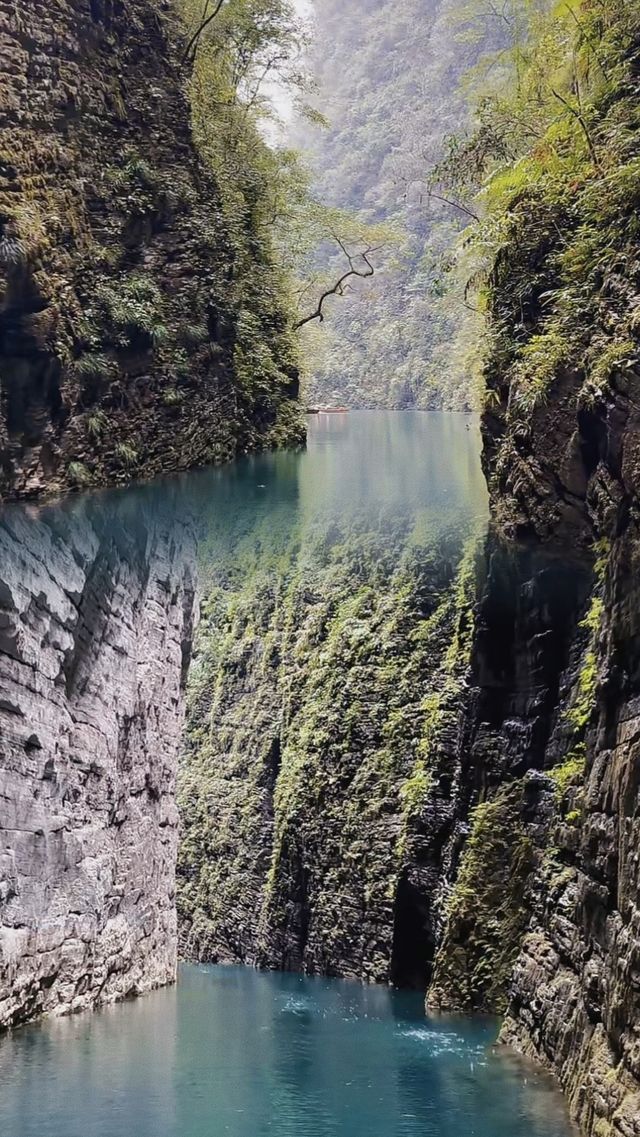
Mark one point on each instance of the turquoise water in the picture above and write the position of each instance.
(230, 1051)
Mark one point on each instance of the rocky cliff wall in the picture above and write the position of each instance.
(321, 770)
(562, 457)
(96, 607)
(541, 917)
(121, 289)
(574, 997)
(304, 772)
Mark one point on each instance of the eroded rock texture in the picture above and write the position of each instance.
(121, 288)
(558, 694)
(575, 991)
(96, 603)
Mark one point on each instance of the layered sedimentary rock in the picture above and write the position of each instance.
(575, 996)
(96, 606)
(562, 455)
(122, 300)
(569, 979)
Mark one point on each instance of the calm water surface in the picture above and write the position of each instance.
(231, 1051)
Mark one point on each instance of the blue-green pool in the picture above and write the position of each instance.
(230, 1051)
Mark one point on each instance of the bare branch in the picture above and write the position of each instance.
(339, 287)
(192, 46)
(454, 204)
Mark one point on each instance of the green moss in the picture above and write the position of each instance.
(322, 648)
(570, 772)
(583, 706)
(487, 913)
(79, 474)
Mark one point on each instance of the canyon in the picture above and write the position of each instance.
(386, 691)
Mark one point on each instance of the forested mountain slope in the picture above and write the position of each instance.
(389, 79)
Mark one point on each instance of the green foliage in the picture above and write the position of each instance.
(172, 397)
(407, 336)
(130, 309)
(193, 335)
(79, 474)
(581, 711)
(126, 454)
(554, 159)
(139, 189)
(94, 367)
(487, 913)
(232, 61)
(97, 424)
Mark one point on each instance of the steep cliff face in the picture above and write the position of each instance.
(330, 658)
(575, 997)
(541, 920)
(96, 613)
(562, 458)
(305, 767)
(122, 307)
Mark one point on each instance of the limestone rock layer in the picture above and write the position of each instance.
(96, 606)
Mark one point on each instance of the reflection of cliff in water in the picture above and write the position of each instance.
(332, 642)
(96, 608)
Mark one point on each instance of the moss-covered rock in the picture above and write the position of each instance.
(488, 909)
(328, 673)
(140, 331)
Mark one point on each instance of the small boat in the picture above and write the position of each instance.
(327, 410)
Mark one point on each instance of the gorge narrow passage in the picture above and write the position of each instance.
(334, 587)
(231, 1051)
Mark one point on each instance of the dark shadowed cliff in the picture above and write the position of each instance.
(127, 300)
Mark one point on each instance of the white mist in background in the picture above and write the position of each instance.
(279, 93)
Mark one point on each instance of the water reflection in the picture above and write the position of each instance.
(234, 1052)
(96, 598)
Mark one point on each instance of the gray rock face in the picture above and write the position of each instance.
(574, 997)
(575, 992)
(96, 604)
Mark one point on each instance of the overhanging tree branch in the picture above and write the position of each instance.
(455, 204)
(338, 288)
